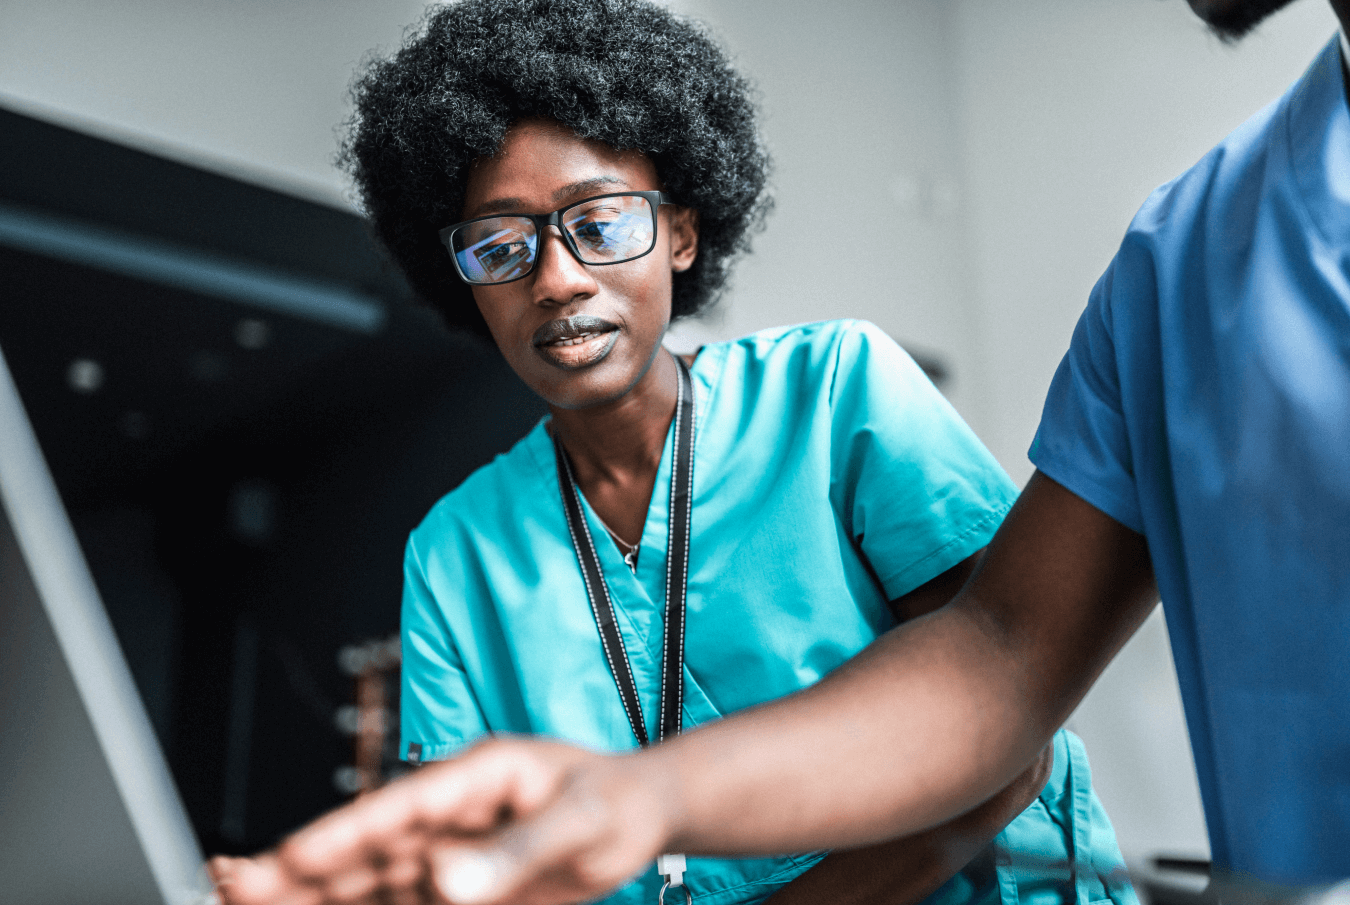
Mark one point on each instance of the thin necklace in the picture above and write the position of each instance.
(629, 551)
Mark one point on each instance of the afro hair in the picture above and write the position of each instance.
(627, 73)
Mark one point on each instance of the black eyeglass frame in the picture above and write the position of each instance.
(655, 199)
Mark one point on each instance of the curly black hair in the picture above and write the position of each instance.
(628, 73)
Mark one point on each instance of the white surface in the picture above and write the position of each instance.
(998, 150)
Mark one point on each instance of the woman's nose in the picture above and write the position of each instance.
(559, 278)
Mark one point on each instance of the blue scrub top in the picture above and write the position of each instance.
(1205, 402)
(829, 477)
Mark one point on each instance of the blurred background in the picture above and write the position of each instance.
(245, 414)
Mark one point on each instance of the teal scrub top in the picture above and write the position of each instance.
(830, 477)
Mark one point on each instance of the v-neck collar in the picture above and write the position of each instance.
(1317, 137)
(639, 599)
(651, 562)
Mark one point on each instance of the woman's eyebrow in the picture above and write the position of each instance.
(495, 206)
(571, 190)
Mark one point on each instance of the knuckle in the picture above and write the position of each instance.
(295, 856)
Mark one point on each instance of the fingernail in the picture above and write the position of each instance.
(467, 878)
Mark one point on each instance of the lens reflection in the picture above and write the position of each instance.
(608, 230)
(605, 230)
(495, 250)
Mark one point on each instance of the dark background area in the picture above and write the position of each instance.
(242, 477)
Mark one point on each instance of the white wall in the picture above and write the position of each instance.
(999, 150)
(250, 87)
(858, 101)
(1071, 112)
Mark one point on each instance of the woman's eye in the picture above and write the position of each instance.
(503, 259)
(595, 232)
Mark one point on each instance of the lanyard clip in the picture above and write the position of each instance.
(671, 868)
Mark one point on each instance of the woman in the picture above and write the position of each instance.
(680, 539)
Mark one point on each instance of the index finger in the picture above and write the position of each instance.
(257, 881)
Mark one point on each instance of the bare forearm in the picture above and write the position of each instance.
(926, 721)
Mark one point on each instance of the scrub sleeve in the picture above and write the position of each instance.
(1060, 851)
(1079, 864)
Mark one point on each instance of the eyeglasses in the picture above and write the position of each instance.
(606, 229)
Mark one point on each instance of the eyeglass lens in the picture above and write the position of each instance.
(601, 231)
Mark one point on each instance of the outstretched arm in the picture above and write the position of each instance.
(927, 723)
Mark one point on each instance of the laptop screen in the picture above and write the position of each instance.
(91, 814)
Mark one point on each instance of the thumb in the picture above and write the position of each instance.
(472, 877)
(584, 843)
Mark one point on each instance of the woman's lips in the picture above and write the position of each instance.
(575, 342)
(585, 337)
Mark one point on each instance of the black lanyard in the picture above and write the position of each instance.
(677, 573)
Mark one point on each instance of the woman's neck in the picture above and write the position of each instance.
(616, 448)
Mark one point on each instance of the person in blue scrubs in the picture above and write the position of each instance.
(1205, 404)
(1196, 439)
(834, 490)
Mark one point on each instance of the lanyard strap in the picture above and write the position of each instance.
(677, 574)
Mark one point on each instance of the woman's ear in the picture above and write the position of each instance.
(683, 238)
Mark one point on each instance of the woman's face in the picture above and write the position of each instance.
(578, 335)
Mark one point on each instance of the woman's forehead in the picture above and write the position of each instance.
(542, 165)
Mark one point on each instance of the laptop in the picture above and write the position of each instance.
(89, 814)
